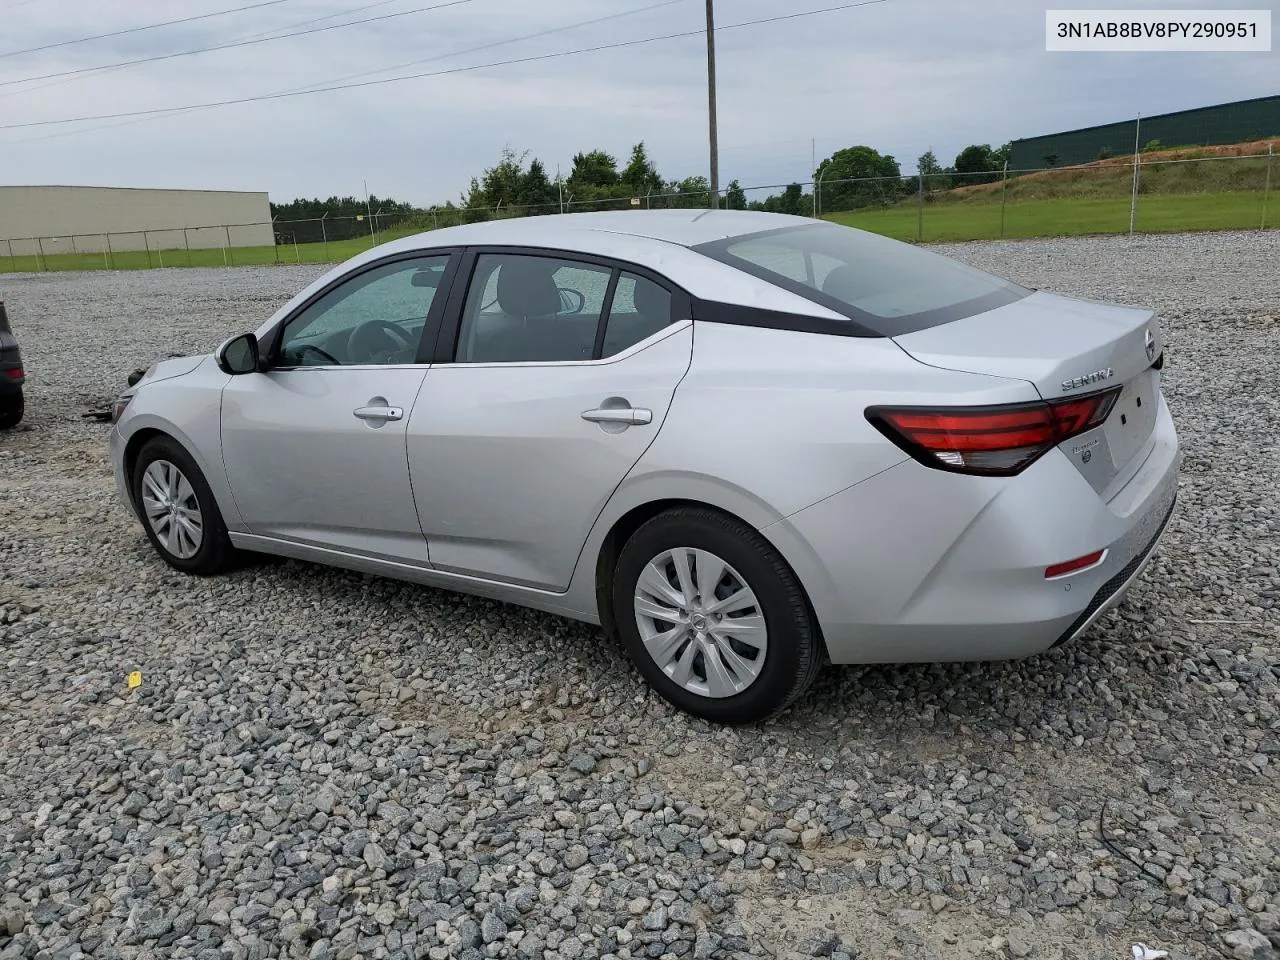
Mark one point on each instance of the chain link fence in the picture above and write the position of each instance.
(1169, 191)
(324, 239)
(1165, 191)
(320, 240)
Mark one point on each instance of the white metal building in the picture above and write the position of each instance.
(95, 219)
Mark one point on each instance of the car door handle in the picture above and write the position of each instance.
(379, 413)
(632, 416)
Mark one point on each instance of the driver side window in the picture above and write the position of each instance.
(376, 317)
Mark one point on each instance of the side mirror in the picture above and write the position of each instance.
(571, 301)
(238, 355)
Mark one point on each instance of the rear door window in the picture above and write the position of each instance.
(532, 309)
(640, 309)
(543, 308)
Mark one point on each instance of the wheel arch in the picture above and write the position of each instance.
(214, 553)
(132, 448)
(196, 428)
(621, 530)
(12, 408)
(215, 476)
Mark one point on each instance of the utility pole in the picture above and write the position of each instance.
(711, 103)
(813, 172)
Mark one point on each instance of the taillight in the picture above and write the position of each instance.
(17, 373)
(990, 441)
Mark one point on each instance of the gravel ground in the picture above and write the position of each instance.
(321, 764)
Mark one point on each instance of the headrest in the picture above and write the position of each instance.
(527, 288)
(848, 283)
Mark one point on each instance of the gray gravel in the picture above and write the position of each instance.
(321, 764)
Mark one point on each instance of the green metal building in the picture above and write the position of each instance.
(1236, 122)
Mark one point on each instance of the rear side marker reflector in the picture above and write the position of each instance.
(997, 441)
(1086, 562)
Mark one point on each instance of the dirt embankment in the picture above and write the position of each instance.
(1119, 167)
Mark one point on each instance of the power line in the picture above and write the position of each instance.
(328, 16)
(155, 111)
(440, 56)
(234, 43)
(149, 26)
(488, 46)
(253, 36)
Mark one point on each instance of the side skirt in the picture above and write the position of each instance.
(533, 598)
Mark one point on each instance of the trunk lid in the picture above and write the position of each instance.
(1065, 347)
(1061, 345)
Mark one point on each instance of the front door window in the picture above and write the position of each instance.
(376, 317)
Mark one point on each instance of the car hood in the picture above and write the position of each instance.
(172, 367)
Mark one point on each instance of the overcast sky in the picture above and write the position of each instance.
(903, 76)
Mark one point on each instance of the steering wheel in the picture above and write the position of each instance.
(363, 344)
(302, 349)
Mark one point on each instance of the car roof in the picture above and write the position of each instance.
(659, 240)
(686, 228)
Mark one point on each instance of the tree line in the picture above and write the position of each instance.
(851, 177)
(520, 185)
(339, 207)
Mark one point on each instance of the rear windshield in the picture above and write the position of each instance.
(890, 287)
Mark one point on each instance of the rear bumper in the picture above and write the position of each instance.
(10, 360)
(920, 565)
(1113, 591)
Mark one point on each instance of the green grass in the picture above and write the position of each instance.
(1064, 217)
(975, 216)
(333, 252)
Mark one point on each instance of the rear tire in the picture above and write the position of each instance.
(11, 410)
(178, 510)
(713, 617)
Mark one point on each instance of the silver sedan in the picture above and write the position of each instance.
(742, 443)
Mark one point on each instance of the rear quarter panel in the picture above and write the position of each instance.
(768, 422)
(780, 415)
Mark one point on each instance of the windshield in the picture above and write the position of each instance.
(891, 287)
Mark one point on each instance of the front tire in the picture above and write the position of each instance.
(11, 410)
(713, 617)
(178, 510)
